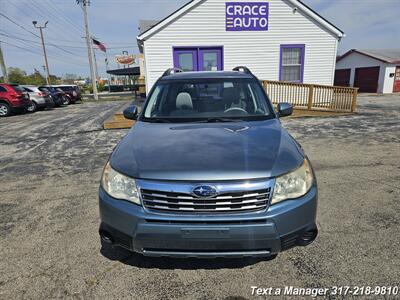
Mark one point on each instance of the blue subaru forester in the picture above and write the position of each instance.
(208, 171)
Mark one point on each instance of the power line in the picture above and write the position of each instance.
(55, 9)
(38, 11)
(66, 51)
(39, 53)
(22, 27)
(33, 10)
(28, 43)
(67, 46)
(52, 40)
(45, 14)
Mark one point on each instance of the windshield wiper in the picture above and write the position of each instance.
(219, 120)
(158, 120)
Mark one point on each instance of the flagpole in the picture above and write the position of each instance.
(95, 64)
(108, 75)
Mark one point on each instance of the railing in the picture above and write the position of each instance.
(312, 96)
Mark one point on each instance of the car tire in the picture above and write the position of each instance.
(32, 108)
(5, 109)
(66, 100)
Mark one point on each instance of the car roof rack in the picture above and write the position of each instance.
(242, 69)
(172, 71)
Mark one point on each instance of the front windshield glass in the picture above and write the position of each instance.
(66, 88)
(207, 99)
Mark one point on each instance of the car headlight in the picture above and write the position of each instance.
(119, 186)
(294, 184)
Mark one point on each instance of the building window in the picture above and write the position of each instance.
(292, 63)
(198, 58)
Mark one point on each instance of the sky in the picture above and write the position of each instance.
(367, 24)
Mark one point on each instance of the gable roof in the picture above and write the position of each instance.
(145, 25)
(390, 56)
(193, 3)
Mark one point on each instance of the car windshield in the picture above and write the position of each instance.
(18, 88)
(67, 88)
(29, 90)
(48, 89)
(213, 100)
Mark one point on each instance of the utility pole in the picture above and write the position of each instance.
(3, 66)
(44, 49)
(84, 4)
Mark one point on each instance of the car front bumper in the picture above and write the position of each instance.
(261, 233)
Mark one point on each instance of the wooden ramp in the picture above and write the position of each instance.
(118, 121)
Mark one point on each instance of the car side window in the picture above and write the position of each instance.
(28, 90)
(153, 101)
(2, 90)
(256, 91)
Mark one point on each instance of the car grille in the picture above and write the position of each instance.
(223, 202)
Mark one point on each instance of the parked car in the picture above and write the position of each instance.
(39, 99)
(71, 91)
(12, 98)
(56, 95)
(208, 171)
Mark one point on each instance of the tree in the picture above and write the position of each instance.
(16, 75)
(35, 79)
(70, 78)
(19, 76)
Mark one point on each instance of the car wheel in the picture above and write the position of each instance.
(66, 100)
(4, 110)
(32, 108)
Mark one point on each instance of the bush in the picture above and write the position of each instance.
(101, 87)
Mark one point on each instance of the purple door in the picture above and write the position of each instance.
(198, 58)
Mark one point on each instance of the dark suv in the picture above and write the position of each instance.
(71, 91)
(12, 98)
(58, 96)
(208, 171)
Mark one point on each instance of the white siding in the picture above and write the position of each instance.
(259, 50)
(356, 60)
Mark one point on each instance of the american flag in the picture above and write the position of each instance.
(99, 45)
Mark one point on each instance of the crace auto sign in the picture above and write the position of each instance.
(247, 16)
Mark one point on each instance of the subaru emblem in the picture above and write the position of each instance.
(205, 191)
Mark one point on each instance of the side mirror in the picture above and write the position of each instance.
(285, 109)
(131, 112)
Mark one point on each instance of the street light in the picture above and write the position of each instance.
(44, 48)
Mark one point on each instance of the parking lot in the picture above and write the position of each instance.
(51, 162)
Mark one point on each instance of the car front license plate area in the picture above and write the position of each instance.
(205, 233)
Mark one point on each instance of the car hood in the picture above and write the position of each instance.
(207, 151)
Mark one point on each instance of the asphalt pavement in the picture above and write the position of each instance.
(50, 165)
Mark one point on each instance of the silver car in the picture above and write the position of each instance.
(39, 98)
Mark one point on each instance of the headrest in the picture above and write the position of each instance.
(230, 95)
(184, 101)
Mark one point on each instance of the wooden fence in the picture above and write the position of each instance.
(312, 96)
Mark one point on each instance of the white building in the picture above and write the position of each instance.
(373, 71)
(277, 39)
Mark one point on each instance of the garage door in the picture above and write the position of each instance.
(366, 79)
(342, 77)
